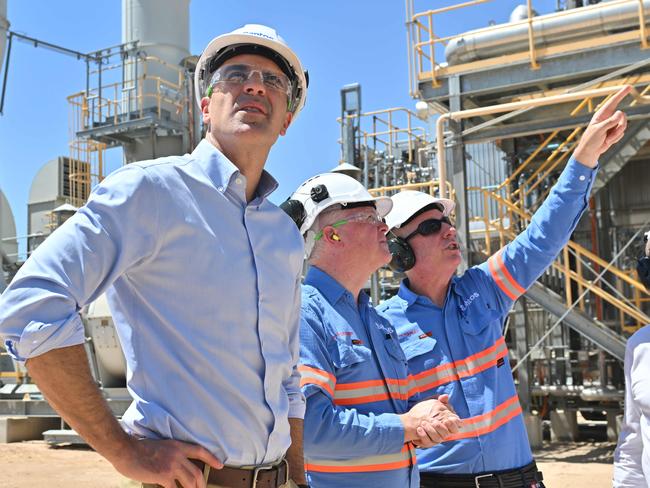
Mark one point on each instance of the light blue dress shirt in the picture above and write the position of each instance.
(205, 294)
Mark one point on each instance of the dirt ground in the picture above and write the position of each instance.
(35, 465)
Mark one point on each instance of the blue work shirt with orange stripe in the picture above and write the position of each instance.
(356, 382)
(460, 349)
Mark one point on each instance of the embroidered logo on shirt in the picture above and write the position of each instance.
(468, 301)
(500, 362)
(342, 333)
(384, 328)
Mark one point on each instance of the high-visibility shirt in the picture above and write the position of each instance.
(356, 382)
(460, 349)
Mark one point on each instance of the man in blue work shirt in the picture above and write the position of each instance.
(450, 326)
(359, 430)
(202, 275)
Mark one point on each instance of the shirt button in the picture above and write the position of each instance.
(582, 178)
(238, 181)
(220, 188)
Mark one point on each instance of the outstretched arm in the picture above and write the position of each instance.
(516, 266)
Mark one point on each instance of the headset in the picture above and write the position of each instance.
(403, 257)
(296, 210)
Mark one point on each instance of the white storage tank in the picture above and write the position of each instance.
(108, 352)
(8, 242)
(161, 28)
(4, 26)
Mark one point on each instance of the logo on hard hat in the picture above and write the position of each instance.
(258, 34)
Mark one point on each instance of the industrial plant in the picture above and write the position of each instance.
(496, 113)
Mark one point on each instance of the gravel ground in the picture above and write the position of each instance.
(35, 465)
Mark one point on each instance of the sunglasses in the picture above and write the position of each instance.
(429, 227)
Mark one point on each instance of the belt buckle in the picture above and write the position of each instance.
(257, 470)
(477, 479)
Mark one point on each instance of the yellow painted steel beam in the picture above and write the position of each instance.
(507, 107)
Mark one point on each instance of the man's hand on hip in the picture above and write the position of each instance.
(165, 462)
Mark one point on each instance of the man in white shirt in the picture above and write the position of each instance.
(632, 456)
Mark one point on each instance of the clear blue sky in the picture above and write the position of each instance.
(338, 41)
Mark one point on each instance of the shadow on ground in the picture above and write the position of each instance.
(577, 452)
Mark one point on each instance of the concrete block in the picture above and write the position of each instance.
(534, 429)
(23, 428)
(613, 425)
(564, 425)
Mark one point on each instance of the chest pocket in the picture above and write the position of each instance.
(475, 323)
(394, 350)
(414, 346)
(345, 354)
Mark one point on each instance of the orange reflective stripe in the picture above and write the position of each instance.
(488, 422)
(502, 276)
(453, 371)
(318, 377)
(359, 392)
(382, 462)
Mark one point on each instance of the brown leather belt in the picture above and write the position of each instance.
(258, 477)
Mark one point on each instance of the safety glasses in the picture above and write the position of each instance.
(363, 219)
(238, 74)
(429, 226)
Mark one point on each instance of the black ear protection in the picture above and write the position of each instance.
(403, 257)
(643, 266)
(296, 210)
(643, 270)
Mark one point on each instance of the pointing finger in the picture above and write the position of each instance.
(610, 105)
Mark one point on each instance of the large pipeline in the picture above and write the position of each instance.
(4, 27)
(552, 29)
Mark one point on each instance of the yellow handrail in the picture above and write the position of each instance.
(422, 41)
(508, 210)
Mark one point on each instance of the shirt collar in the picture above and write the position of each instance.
(410, 297)
(331, 289)
(406, 294)
(221, 170)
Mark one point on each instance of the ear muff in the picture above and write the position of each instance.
(295, 210)
(403, 257)
(643, 269)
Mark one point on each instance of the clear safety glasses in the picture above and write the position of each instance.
(429, 226)
(238, 74)
(363, 219)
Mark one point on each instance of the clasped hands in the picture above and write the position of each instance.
(430, 422)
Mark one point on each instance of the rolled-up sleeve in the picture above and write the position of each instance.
(115, 230)
(292, 384)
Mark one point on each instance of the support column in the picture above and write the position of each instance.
(455, 162)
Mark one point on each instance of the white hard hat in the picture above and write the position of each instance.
(325, 190)
(409, 203)
(264, 41)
